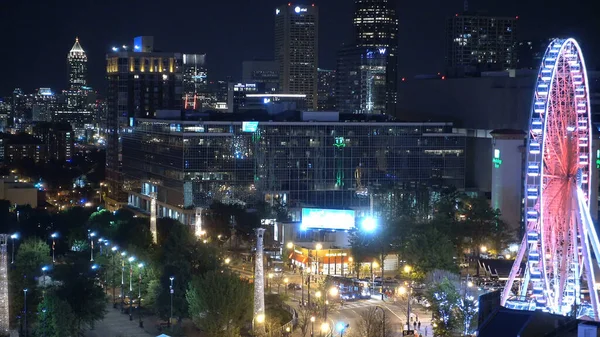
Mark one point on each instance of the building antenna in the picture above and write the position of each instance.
(466, 5)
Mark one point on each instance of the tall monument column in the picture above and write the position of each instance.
(258, 318)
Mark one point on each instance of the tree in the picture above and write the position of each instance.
(55, 318)
(81, 291)
(444, 298)
(370, 324)
(304, 315)
(32, 255)
(220, 303)
(429, 249)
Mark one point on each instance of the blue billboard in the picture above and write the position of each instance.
(319, 218)
(249, 126)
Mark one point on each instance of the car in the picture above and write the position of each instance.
(294, 286)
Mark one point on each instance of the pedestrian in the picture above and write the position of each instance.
(419, 325)
(415, 325)
(425, 331)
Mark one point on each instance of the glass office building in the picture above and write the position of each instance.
(327, 164)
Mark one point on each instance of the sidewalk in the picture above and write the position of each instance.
(116, 324)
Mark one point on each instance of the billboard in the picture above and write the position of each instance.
(318, 218)
(249, 126)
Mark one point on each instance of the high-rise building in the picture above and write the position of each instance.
(266, 72)
(141, 81)
(376, 27)
(296, 50)
(44, 105)
(477, 42)
(77, 65)
(367, 68)
(57, 138)
(326, 90)
(195, 84)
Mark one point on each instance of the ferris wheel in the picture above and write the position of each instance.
(560, 235)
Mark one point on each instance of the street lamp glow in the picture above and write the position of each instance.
(290, 245)
(227, 260)
(402, 290)
(507, 256)
(469, 284)
(270, 275)
(286, 280)
(325, 327)
(140, 265)
(92, 234)
(114, 249)
(172, 278)
(369, 224)
(14, 236)
(131, 259)
(94, 266)
(333, 291)
(375, 264)
(312, 319)
(407, 269)
(318, 294)
(54, 235)
(45, 268)
(260, 318)
(123, 254)
(319, 246)
(483, 249)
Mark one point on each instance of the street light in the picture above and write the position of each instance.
(369, 224)
(324, 328)
(114, 249)
(123, 254)
(140, 266)
(25, 302)
(53, 236)
(318, 247)
(227, 260)
(13, 237)
(341, 327)
(312, 329)
(285, 281)
(92, 235)
(171, 290)
(408, 269)
(256, 320)
(483, 249)
(130, 259)
(44, 270)
(333, 292)
(290, 245)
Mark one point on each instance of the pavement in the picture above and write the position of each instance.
(116, 324)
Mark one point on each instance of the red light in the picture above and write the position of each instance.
(289, 4)
(443, 77)
(403, 79)
(313, 5)
(517, 17)
(439, 74)
(455, 14)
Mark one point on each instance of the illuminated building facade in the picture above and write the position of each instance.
(297, 160)
(77, 66)
(296, 50)
(326, 90)
(259, 71)
(376, 34)
(195, 84)
(476, 43)
(45, 103)
(57, 138)
(140, 82)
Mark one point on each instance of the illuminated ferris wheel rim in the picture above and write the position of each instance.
(540, 113)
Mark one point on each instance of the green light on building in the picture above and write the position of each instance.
(598, 159)
(339, 142)
(496, 160)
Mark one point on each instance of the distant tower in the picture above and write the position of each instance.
(153, 218)
(259, 283)
(4, 305)
(77, 63)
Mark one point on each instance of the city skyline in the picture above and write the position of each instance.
(41, 64)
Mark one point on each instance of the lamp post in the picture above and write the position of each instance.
(92, 235)
(383, 320)
(123, 254)
(44, 270)
(312, 328)
(285, 282)
(13, 237)
(324, 328)
(171, 290)
(25, 302)
(53, 236)
(100, 243)
(256, 320)
(114, 249)
(332, 292)
(140, 266)
(130, 259)
(407, 270)
(318, 247)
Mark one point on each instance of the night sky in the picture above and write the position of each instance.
(37, 35)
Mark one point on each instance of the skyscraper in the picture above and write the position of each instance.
(296, 50)
(195, 84)
(141, 81)
(326, 90)
(77, 65)
(368, 68)
(476, 43)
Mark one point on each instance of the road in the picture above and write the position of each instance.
(349, 313)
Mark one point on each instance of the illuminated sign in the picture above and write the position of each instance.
(318, 218)
(598, 159)
(277, 11)
(381, 51)
(339, 142)
(496, 160)
(249, 126)
(300, 10)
